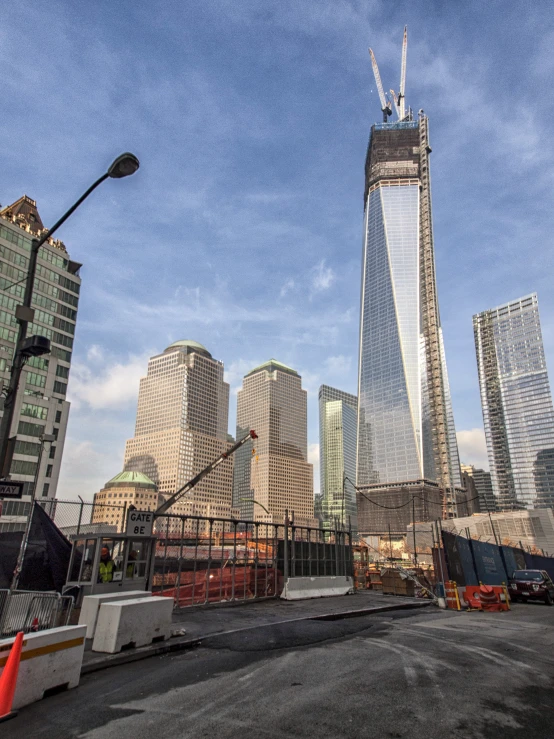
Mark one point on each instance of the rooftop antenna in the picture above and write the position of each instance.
(401, 96)
(386, 105)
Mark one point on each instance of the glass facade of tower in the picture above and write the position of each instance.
(400, 412)
(40, 406)
(517, 404)
(337, 455)
(390, 383)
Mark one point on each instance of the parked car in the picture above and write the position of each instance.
(528, 585)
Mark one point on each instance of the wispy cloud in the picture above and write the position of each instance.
(322, 277)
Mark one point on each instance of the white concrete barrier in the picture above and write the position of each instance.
(49, 659)
(91, 606)
(135, 622)
(316, 587)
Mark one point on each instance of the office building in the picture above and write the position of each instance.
(483, 486)
(125, 489)
(41, 406)
(273, 474)
(516, 403)
(337, 455)
(406, 434)
(181, 427)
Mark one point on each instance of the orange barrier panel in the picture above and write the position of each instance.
(486, 597)
(451, 594)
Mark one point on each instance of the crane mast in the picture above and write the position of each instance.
(386, 105)
(401, 95)
(187, 487)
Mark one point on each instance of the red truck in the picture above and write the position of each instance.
(528, 585)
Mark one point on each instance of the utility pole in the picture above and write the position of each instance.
(413, 528)
(390, 544)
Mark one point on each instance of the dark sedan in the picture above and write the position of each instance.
(532, 585)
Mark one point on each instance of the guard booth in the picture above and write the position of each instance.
(108, 563)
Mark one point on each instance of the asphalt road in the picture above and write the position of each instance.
(401, 675)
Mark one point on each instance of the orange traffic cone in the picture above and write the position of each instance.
(8, 679)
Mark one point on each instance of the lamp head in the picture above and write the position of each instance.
(123, 166)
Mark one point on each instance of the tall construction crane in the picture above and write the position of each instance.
(401, 95)
(386, 105)
(395, 101)
(206, 471)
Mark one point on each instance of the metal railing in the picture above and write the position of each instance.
(200, 560)
(27, 610)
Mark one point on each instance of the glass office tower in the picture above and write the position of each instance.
(517, 404)
(41, 408)
(405, 423)
(337, 455)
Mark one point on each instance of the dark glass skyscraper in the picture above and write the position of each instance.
(406, 432)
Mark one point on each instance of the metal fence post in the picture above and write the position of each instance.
(286, 547)
(80, 516)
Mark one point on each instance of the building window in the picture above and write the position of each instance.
(52, 452)
(49, 470)
(58, 417)
(45, 489)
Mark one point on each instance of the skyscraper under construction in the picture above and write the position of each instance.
(407, 456)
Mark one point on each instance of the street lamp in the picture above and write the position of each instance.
(33, 346)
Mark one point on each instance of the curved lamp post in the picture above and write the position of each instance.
(126, 164)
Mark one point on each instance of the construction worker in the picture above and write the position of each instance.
(131, 563)
(106, 568)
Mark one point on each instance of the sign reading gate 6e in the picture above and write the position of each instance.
(139, 523)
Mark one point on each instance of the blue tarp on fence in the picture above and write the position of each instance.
(488, 563)
(459, 559)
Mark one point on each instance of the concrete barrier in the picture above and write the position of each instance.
(49, 659)
(91, 606)
(316, 587)
(132, 623)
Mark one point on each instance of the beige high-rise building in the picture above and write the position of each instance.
(276, 473)
(181, 427)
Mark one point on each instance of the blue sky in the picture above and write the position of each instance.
(243, 227)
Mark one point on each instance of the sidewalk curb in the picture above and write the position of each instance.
(174, 645)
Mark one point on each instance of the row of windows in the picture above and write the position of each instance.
(56, 351)
(7, 318)
(53, 335)
(60, 387)
(25, 243)
(27, 447)
(36, 411)
(7, 334)
(64, 325)
(30, 429)
(38, 363)
(12, 256)
(60, 279)
(33, 378)
(55, 292)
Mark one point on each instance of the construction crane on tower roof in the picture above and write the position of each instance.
(398, 102)
(401, 95)
(395, 101)
(386, 105)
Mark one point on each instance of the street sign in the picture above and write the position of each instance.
(11, 489)
(139, 523)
